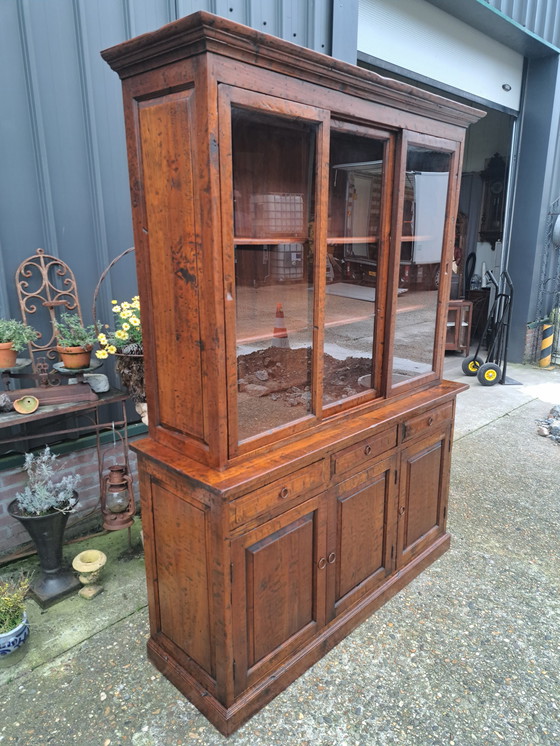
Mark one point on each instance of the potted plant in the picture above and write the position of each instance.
(43, 508)
(126, 344)
(14, 336)
(14, 629)
(75, 341)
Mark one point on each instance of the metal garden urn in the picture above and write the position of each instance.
(47, 532)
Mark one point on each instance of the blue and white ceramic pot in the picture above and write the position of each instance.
(14, 639)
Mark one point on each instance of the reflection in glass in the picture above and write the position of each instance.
(355, 192)
(425, 200)
(273, 222)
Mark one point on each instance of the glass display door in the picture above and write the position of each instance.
(333, 287)
(357, 260)
(422, 280)
(277, 168)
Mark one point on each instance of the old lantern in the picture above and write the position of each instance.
(117, 499)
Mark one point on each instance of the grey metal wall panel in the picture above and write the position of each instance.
(536, 173)
(345, 30)
(542, 17)
(306, 23)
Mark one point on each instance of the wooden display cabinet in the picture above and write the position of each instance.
(296, 471)
(459, 319)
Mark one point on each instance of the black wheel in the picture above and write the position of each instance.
(489, 374)
(470, 365)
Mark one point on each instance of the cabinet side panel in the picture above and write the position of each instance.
(180, 539)
(174, 263)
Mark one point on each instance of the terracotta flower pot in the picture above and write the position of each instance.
(8, 355)
(75, 357)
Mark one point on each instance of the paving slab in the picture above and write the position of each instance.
(68, 623)
(481, 405)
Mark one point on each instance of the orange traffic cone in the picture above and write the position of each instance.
(280, 335)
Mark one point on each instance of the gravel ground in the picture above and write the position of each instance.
(468, 653)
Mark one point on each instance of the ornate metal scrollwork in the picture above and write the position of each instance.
(44, 281)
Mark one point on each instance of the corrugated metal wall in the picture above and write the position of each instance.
(542, 17)
(63, 170)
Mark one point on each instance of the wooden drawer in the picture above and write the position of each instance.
(426, 422)
(363, 452)
(300, 484)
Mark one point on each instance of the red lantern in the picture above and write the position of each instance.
(117, 499)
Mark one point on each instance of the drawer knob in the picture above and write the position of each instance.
(367, 450)
(331, 558)
(430, 420)
(401, 510)
(284, 492)
(322, 563)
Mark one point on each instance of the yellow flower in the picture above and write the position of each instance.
(101, 354)
(119, 334)
(125, 327)
(116, 309)
(125, 314)
(134, 320)
(111, 349)
(114, 302)
(125, 304)
(102, 339)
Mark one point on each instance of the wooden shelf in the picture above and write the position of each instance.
(268, 241)
(415, 238)
(360, 239)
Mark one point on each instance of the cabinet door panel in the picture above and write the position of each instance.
(424, 484)
(364, 526)
(278, 589)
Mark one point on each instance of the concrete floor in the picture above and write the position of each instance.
(468, 653)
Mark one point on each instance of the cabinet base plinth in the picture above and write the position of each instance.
(229, 719)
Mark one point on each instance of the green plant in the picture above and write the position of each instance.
(127, 337)
(46, 491)
(71, 332)
(12, 595)
(16, 332)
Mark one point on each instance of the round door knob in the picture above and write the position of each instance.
(367, 450)
(284, 492)
(322, 563)
(331, 558)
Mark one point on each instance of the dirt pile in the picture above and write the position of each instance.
(285, 374)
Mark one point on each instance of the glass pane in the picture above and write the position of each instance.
(273, 178)
(273, 161)
(356, 177)
(425, 200)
